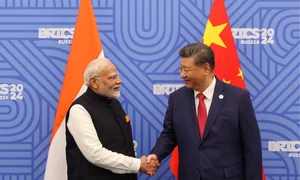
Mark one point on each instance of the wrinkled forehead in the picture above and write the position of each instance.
(109, 69)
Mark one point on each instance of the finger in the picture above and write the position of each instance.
(149, 158)
(157, 163)
(149, 173)
(151, 170)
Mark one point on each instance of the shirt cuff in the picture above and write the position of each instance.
(136, 164)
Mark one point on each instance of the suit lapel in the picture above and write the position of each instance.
(191, 114)
(217, 102)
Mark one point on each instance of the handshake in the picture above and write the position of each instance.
(149, 164)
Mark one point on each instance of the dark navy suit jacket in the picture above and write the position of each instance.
(230, 147)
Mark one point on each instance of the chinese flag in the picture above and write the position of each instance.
(86, 46)
(218, 36)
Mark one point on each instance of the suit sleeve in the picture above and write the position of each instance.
(251, 139)
(167, 139)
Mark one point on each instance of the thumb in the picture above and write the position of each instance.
(149, 158)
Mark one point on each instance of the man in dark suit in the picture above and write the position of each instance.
(213, 124)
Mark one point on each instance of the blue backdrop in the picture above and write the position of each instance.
(142, 37)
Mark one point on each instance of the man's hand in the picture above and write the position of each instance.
(148, 168)
(153, 158)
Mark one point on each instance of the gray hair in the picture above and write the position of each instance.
(94, 68)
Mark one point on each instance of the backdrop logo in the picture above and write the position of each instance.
(135, 145)
(292, 147)
(11, 91)
(64, 35)
(254, 35)
(161, 89)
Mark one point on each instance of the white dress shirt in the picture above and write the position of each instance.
(84, 133)
(208, 93)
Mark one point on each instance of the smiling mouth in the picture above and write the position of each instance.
(116, 88)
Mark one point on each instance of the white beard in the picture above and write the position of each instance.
(113, 94)
(110, 93)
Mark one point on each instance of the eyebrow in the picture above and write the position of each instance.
(185, 67)
(113, 74)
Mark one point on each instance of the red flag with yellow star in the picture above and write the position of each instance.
(219, 37)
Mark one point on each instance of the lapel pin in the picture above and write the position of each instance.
(221, 96)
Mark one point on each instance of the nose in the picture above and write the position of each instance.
(182, 74)
(119, 81)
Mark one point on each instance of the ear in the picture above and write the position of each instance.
(93, 83)
(206, 68)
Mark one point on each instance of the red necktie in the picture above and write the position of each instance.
(202, 115)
